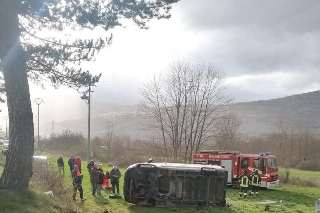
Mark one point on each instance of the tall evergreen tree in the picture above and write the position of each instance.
(27, 53)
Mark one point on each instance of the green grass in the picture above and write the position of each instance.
(294, 198)
(303, 175)
(26, 201)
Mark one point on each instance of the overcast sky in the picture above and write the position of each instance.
(258, 45)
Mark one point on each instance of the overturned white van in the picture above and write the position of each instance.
(166, 184)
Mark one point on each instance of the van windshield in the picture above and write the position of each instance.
(272, 163)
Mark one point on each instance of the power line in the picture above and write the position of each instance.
(269, 45)
(255, 31)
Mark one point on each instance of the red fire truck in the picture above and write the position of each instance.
(237, 163)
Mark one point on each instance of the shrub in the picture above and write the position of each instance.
(310, 165)
(67, 140)
(45, 179)
(126, 160)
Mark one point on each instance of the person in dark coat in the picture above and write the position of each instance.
(71, 163)
(90, 165)
(115, 175)
(77, 183)
(94, 178)
(101, 176)
(60, 164)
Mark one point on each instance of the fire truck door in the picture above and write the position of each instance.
(228, 166)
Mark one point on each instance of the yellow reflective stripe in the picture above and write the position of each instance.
(255, 180)
(244, 181)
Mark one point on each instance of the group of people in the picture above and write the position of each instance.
(71, 162)
(249, 183)
(74, 161)
(98, 178)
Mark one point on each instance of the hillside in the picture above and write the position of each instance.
(299, 111)
(258, 117)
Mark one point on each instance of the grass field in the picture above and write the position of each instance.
(294, 198)
(313, 176)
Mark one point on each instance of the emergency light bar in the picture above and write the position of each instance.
(262, 153)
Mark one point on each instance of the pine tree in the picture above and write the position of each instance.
(26, 54)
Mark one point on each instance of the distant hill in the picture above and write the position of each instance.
(258, 117)
(299, 111)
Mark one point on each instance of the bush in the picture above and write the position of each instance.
(45, 179)
(310, 165)
(303, 182)
(65, 141)
(48, 180)
(126, 160)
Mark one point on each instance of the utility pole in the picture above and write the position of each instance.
(87, 99)
(89, 123)
(38, 101)
(52, 129)
(6, 118)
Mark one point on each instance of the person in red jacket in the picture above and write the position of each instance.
(77, 162)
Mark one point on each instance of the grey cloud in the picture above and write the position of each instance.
(249, 14)
(222, 21)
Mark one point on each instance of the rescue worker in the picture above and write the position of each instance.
(255, 183)
(244, 180)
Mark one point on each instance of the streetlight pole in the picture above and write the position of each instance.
(6, 118)
(38, 102)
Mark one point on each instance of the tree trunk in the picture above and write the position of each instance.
(18, 167)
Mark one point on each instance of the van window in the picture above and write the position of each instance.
(244, 163)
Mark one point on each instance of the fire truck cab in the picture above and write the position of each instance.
(236, 163)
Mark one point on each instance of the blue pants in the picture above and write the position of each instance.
(94, 188)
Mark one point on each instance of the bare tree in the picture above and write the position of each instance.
(185, 104)
(108, 137)
(227, 128)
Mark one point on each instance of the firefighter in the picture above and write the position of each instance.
(255, 182)
(244, 180)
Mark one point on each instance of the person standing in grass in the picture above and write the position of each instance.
(71, 163)
(255, 182)
(94, 178)
(60, 164)
(90, 165)
(244, 180)
(115, 175)
(77, 162)
(77, 183)
(101, 176)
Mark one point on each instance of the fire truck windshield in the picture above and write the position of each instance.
(272, 164)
